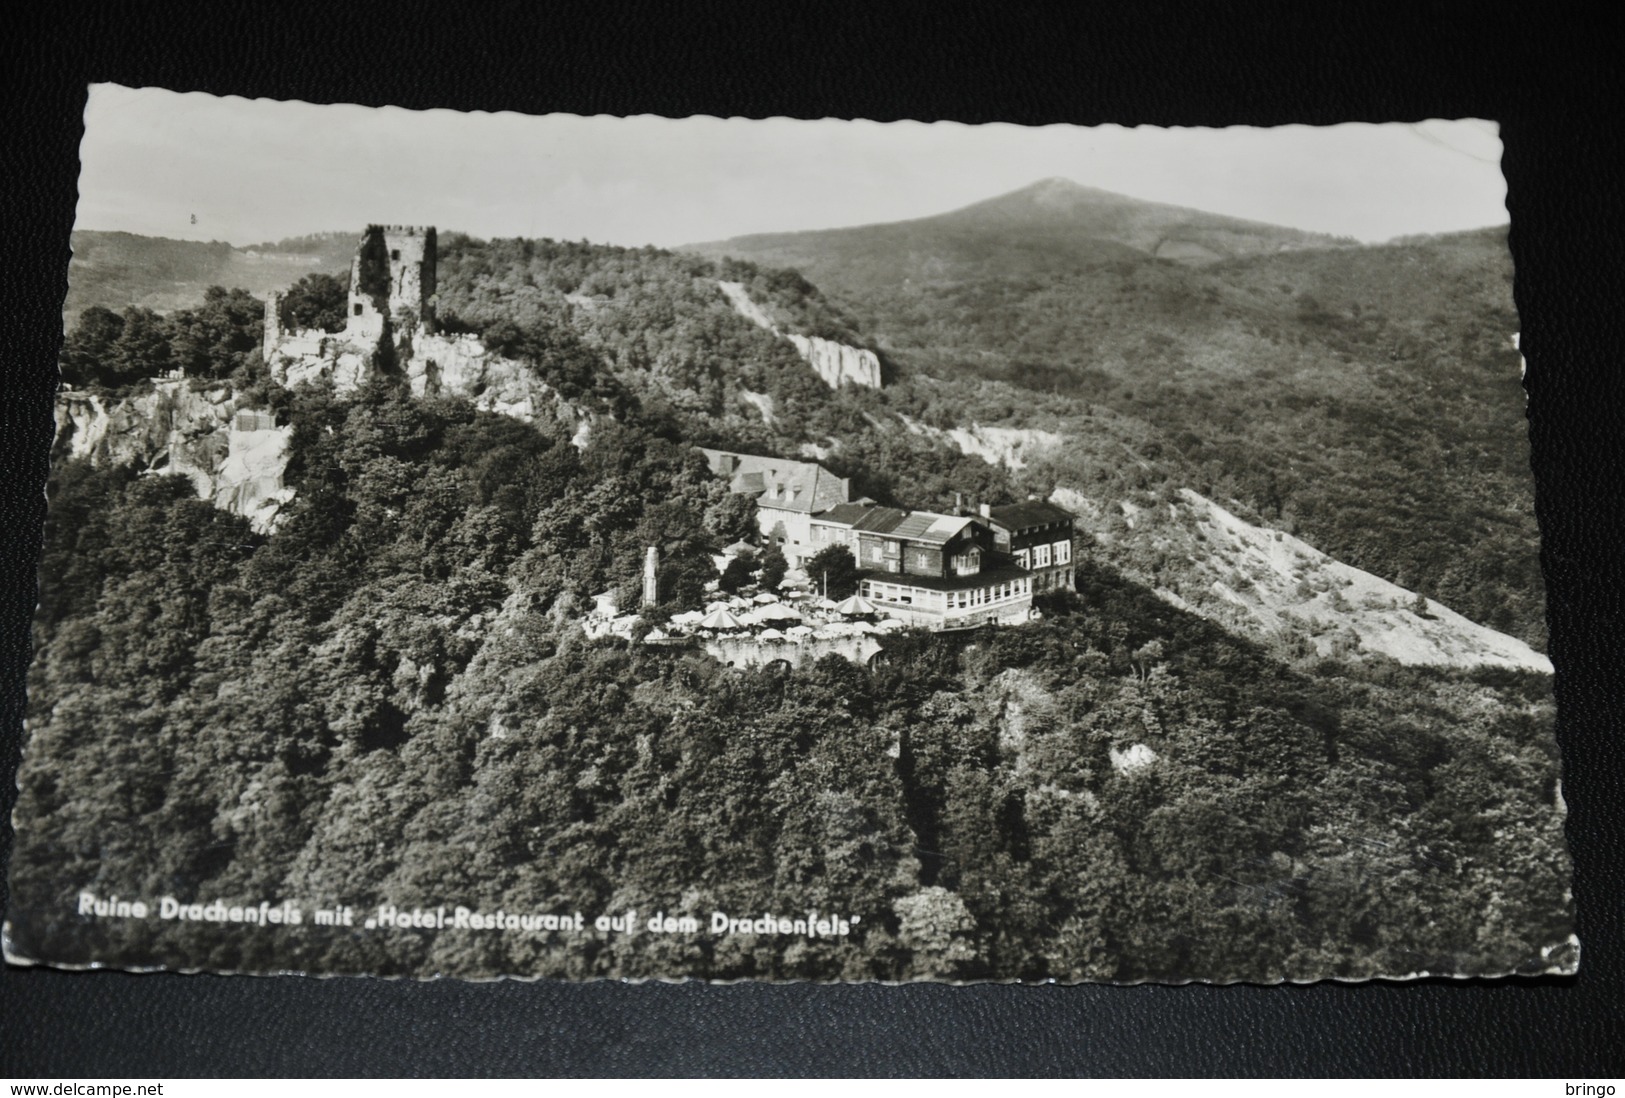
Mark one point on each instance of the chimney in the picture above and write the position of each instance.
(984, 510)
(959, 503)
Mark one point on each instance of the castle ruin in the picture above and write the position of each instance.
(391, 303)
(392, 282)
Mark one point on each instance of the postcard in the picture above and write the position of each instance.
(484, 545)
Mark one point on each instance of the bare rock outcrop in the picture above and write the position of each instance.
(460, 365)
(234, 457)
(835, 363)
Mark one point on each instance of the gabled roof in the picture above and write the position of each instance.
(844, 514)
(879, 520)
(931, 528)
(781, 483)
(1031, 513)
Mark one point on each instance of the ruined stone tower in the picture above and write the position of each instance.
(390, 308)
(392, 277)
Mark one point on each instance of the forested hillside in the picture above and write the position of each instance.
(389, 701)
(1367, 399)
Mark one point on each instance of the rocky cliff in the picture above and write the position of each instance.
(1268, 584)
(234, 457)
(835, 363)
(298, 357)
(460, 365)
(1007, 446)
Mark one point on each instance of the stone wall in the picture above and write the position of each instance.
(753, 652)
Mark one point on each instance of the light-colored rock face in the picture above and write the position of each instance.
(249, 481)
(175, 429)
(237, 461)
(1292, 579)
(460, 365)
(745, 307)
(763, 403)
(435, 365)
(1131, 759)
(1268, 584)
(835, 363)
(1007, 446)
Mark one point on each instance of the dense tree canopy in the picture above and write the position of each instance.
(217, 339)
(389, 700)
(317, 301)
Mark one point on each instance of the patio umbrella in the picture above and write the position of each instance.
(856, 606)
(721, 619)
(774, 611)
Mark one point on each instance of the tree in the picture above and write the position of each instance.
(834, 572)
(317, 301)
(736, 575)
(774, 566)
(217, 337)
(88, 348)
(142, 349)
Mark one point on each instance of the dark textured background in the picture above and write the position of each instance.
(1552, 80)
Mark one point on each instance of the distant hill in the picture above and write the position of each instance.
(115, 269)
(1049, 227)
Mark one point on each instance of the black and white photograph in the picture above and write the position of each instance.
(492, 545)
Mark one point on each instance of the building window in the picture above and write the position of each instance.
(357, 308)
(1024, 558)
(394, 253)
(1041, 556)
(1063, 552)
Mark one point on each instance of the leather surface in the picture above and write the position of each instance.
(1552, 82)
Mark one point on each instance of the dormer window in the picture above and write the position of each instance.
(968, 563)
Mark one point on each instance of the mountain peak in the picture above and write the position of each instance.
(1064, 210)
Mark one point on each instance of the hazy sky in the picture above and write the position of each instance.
(260, 170)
